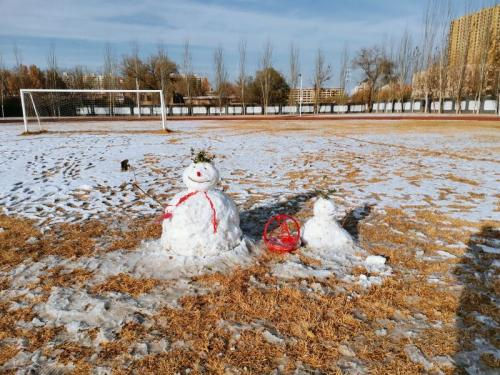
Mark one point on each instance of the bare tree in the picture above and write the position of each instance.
(2, 84)
(459, 67)
(265, 66)
(375, 68)
(322, 74)
(442, 52)
(187, 70)
(80, 78)
(481, 64)
(52, 78)
(427, 48)
(242, 78)
(294, 67)
(344, 69)
(165, 68)
(220, 75)
(109, 74)
(404, 63)
(18, 57)
(498, 90)
(52, 68)
(136, 62)
(391, 80)
(109, 68)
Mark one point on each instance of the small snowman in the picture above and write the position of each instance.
(201, 221)
(323, 233)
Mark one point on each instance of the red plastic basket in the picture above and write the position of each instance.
(288, 237)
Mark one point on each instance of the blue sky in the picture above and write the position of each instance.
(79, 30)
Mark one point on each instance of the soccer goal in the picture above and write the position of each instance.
(42, 106)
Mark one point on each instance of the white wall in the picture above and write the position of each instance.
(199, 110)
(490, 105)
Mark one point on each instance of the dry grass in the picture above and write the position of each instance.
(7, 352)
(38, 132)
(69, 240)
(142, 229)
(99, 132)
(4, 284)
(13, 246)
(312, 325)
(35, 337)
(59, 277)
(491, 360)
(10, 318)
(463, 180)
(123, 283)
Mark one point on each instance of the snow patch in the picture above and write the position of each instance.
(489, 249)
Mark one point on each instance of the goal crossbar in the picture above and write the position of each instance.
(94, 91)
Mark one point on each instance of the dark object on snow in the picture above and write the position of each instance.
(125, 165)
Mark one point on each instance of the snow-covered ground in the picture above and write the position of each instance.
(72, 175)
(67, 177)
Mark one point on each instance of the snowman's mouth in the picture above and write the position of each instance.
(199, 181)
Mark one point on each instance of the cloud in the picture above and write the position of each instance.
(207, 23)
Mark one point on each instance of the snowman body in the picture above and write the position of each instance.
(323, 233)
(201, 221)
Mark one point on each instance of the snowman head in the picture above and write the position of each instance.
(201, 176)
(324, 208)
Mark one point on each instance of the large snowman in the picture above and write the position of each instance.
(323, 233)
(201, 221)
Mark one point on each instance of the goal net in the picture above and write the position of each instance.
(42, 106)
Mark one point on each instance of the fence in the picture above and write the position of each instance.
(488, 106)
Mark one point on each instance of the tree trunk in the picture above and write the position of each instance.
(243, 97)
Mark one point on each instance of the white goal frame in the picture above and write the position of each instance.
(28, 92)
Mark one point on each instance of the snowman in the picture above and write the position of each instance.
(323, 233)
(200, 221)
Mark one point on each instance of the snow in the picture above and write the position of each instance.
(375, 263)
(74, 177)
(416, 356)
(368, 281)
(65, 177)
(489, 249)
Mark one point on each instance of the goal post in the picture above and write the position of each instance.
(46, 105)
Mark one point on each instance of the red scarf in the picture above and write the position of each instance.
(169, 215)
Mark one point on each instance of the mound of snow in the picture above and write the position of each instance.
(150, 260)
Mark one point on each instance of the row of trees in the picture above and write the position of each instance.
(397, 70)
(394, 70)
(156, 71)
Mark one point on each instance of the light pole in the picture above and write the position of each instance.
(346, 86)
(300, 96)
